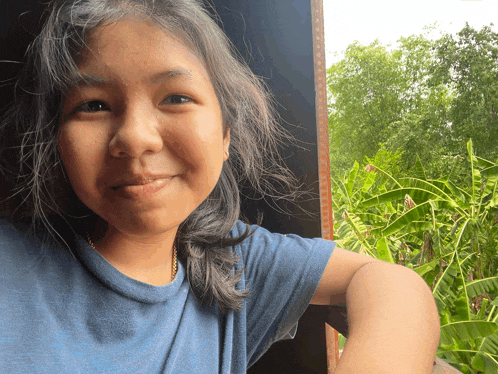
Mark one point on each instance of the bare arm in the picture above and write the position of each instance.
(392, 315)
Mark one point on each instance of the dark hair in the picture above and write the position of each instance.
(31, 124)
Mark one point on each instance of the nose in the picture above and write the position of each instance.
(137, 133)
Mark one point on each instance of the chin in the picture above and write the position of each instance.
(149, 224)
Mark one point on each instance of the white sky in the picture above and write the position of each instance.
(387, 20)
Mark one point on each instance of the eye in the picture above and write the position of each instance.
(92, 107)
(177, 99)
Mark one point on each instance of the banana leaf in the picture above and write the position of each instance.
(383, 251)
(483, 163)
(488, 347)
(476, 175)
(482, 286)
(352, 178)
(389, 176)
(466, 330)
(421, 270)
(418, 195)
(491, 176)
(398, 194)
(407, 218)
(468, 262)
(417, 226)
(490, 171)
(344, 191)
(459, 356)
(442, 185)
(368, 182)
(359, 231)
(460, 194)
(419, 169)
(376, 218)
(437, 188)
(413, 215)
(486, 363)
(461, 302)
(443, 293)
(463, 233)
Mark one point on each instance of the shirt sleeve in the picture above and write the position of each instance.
(282, 273)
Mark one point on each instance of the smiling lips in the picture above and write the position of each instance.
(141, 188)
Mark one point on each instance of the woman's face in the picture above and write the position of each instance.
(142, 136)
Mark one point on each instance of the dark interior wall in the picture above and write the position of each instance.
(19, 23)
(275, 38)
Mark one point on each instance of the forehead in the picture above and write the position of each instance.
(133, 46)
(133, 27)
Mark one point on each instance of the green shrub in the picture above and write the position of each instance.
(444, 232)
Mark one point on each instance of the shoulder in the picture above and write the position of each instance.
(265, 241)
(264, 251)
(281, 273)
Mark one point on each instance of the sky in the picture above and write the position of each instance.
(387, 20)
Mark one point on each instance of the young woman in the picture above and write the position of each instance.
(132, 125)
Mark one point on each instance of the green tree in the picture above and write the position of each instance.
(467, 63)
(423, 129)
(423, 99)
(366, 87)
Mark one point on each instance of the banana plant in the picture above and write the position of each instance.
(444, 232)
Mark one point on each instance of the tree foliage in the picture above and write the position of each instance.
(366, 87)
(423, 98)
(468, 64)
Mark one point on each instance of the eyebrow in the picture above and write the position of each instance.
(172, 73)
(160, 77)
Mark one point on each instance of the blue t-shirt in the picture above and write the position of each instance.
(72, 312)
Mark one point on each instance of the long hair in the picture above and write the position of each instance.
(31, 124)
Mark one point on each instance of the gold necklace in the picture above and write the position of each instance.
(174, 266)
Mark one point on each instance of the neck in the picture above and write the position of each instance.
(146, 258)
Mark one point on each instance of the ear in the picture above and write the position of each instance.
(226, 144)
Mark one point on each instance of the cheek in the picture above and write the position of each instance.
(78, 151)
(206, 150)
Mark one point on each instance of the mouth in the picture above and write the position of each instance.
(141, 188)
(137, 180)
